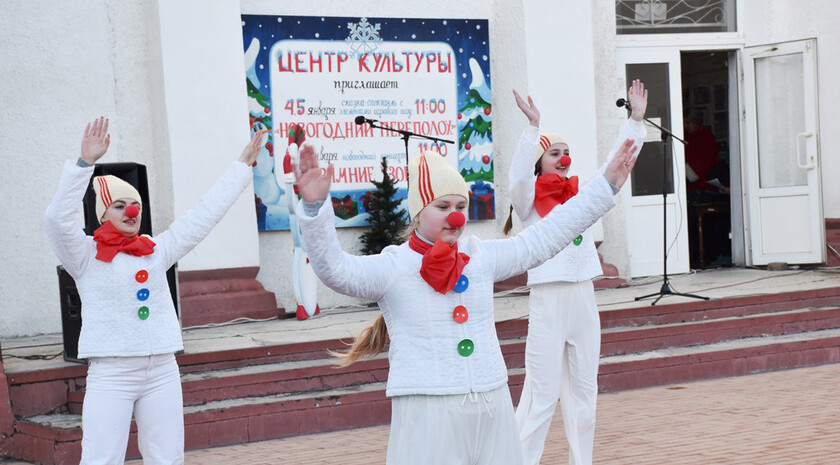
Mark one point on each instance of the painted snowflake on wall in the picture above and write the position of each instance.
(363, 37)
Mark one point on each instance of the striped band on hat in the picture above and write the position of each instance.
(427, 194)
(546, 141)
(432, 177)
(104, 192)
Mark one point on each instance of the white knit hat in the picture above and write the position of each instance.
(110, 188)
(431, 177)
(546, 141)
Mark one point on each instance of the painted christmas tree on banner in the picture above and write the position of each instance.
(475, 145)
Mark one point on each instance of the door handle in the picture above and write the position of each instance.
(807, 165)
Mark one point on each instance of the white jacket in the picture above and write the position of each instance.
(579, 261)
(425, 340)
(113, 296)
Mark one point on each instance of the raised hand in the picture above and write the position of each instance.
(313, 184)
(529, 109)
(622, 164)
(637, 95)
(95, 141)
(250, 152)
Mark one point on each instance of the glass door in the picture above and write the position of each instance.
(784, 201)
(660, 166)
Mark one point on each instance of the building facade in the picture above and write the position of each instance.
(170, 76)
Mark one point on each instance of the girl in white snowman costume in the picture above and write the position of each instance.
(130, 331)
(563, 346)
(447, 379)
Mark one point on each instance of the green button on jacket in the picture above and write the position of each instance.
(465, 348)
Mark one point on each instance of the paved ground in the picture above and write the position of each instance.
(786, 417)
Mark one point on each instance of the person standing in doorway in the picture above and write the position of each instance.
(701, 153)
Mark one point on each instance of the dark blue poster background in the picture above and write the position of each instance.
(469, 41)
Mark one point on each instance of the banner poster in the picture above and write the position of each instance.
(429, 76)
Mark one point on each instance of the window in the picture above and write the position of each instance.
(647, 176)
(674, 16)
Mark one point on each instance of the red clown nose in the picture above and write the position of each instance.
(132, 211)
(565, 161)
(456, 219)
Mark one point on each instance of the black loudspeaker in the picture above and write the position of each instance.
(71, 304)
(71, 314)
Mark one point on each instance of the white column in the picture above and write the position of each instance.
(561, 67)
(207, 121)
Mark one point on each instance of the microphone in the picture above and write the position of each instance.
(362, 120)
(620, 103)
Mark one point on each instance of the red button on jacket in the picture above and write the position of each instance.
(460, 314)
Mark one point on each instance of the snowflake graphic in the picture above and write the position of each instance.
(364, 37)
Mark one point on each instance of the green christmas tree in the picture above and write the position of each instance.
(387, 220)
(255, 93)
(477, 125)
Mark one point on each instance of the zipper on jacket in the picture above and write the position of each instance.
(469, 359)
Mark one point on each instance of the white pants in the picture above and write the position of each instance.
(150, 387)
(463, 429)
(562, 352)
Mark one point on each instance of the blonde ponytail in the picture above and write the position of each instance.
(370, 342)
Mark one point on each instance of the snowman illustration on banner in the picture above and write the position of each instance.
(269, 176)
(304, 279)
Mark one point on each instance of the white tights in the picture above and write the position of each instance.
(149, 387)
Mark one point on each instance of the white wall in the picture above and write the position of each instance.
(207, 116)
(508, 70)
(63, 64)
(66, 63)
(615, 248)
(560, 70)
(571, 75)
(771, 21)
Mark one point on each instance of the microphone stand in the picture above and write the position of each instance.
(405, 135)
(665, 290)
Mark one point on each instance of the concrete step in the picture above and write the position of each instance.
(323, 374)
(631, 339)
(253, 393)
(59, 389)
(203, 309)
(247, 419)
(626, 340)
(639, 316)
(309, 376)
(697, 310)
(721, 359)
(56, 438)
(223, 379)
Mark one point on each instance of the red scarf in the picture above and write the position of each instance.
(442, 263)
(552, 189)
(110, 241)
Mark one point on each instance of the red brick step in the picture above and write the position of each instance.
(249, 419)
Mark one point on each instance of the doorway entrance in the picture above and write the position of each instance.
(706, 123)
